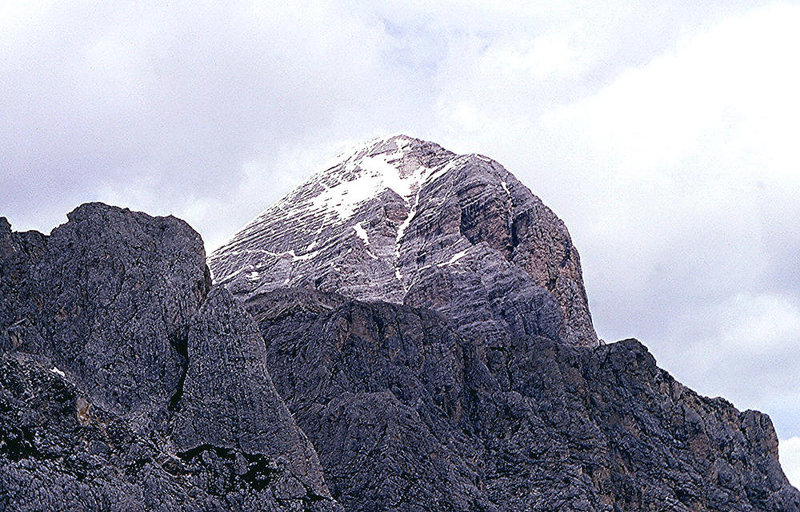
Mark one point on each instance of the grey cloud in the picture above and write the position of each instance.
(100, 94)
(212, 112)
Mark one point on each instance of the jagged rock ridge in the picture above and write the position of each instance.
(468, 379)
(405, 221)
(128, 383)
(408, 414)
(467, 375)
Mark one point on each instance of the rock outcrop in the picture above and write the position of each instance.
(107, 328)
(109, 296)
(407, 414)
(407, 331)
(228, 402)
(402, 220)
(426, 323)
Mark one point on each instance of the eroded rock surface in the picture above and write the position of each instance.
(469, 377)
(109, 338)
(230, 403)
(407, 414)
(109, 296)
(402, 220)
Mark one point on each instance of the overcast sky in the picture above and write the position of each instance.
(665, 134)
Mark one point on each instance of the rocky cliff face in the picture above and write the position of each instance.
(408, 414)
(405, 221)
(456, 368)
(128, 383)
(411, 334)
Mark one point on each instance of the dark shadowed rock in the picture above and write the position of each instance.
(59, 452)
(456, 369)
(108, 297)
(108, 338)
(407, 414)
(230, 403)
(370, 384)
(18, 251)
(471, 377)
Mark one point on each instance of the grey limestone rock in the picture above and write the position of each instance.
(109, 338)
(402, 220)
(230, 403)
(426, 323)
(408, 414)
(413, 334)
(375, 387)
(109, 296)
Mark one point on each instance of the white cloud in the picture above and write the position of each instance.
(700, 182)
(734, 82)
(737, 333)
(191, 94)
(789, 452)
(662, 134)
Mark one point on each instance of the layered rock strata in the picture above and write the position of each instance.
(405, 221)
(455, 369)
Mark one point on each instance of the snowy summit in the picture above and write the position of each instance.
(397, 217)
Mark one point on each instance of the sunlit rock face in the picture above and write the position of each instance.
(426, 323)
(406, 221)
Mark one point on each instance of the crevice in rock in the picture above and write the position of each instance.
(261, 471)
(18, 444)
(181, 345)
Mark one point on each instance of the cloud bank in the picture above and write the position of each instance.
(663, 134)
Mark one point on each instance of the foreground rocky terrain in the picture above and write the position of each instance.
(407, 331)
(128, 382)
(406, 414)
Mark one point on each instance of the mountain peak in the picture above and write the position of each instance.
(119, 357)
(403, 220)
(398, 163)
(396, 142)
